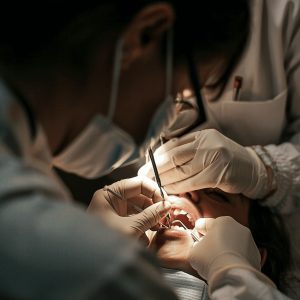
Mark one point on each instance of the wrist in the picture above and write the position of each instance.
(270, 167)
(231, 260)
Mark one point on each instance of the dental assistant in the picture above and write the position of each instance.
(250, 144)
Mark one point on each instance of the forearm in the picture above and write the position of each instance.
(286, 173)
(242, 284)
(51, 250)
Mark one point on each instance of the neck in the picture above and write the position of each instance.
(51, 108)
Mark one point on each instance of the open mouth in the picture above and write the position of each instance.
(183, 214)
(181, 219)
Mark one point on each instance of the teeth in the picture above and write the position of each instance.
(190, 218)
(176, 212)
(177, 227)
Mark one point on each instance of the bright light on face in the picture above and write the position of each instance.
(187, 93)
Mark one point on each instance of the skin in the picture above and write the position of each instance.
(172, 245)
(74, 103)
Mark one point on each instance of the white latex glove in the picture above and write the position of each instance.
(226, 244)
(208, 159)
(119, 205)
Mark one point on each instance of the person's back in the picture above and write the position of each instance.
(49, 248)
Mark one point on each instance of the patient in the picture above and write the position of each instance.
(172, 245)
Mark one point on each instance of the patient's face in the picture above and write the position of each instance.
(172, 245)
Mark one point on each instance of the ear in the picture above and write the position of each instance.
(145, 31)
(263, 254)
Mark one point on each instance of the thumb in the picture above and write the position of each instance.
(203, 225)
(150, 216)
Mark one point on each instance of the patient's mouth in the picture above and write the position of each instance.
(181, 219)
(183, 213)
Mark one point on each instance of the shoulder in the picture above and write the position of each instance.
(282, 12)
(276, 22)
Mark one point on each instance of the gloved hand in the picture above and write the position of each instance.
(226, 244)
(127, 205)
(208, 159)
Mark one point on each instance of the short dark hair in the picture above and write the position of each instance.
(65, 32)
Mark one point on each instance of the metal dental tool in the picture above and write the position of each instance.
(157, 178)
(137, 208)
(194, 236)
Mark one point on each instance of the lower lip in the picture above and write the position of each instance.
(172, 233)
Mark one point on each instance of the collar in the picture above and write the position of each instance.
(27, 109)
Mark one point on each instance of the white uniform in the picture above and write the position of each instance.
(267, 112)
(51, 249)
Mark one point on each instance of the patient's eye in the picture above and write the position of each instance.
(216, 195)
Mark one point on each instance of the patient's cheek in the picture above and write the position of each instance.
(172, 248)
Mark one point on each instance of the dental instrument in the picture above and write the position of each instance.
(157, 178)
(194, 236)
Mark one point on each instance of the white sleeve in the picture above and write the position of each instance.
(287, 155)
(242, 284)
(53, 250)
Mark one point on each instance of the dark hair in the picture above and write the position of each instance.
(269, 232)
(212, 29)
(66, 31)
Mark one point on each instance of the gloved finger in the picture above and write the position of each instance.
(138, 203)
(129, 188)
(105, 200)
(150, 216)
(179, 173)
(169, 160)
(147, 169)
(210, 177)
(203, 225)
(142, 202)
(176, 142)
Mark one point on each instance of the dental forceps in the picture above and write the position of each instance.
(157, 178)
(194, 236)
(137, 208)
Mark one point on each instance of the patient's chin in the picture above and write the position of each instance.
(172, 248)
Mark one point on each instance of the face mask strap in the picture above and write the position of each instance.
(169, 62)
(115, 79)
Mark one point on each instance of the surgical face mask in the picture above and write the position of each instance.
(102, 146)
(98, 150)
